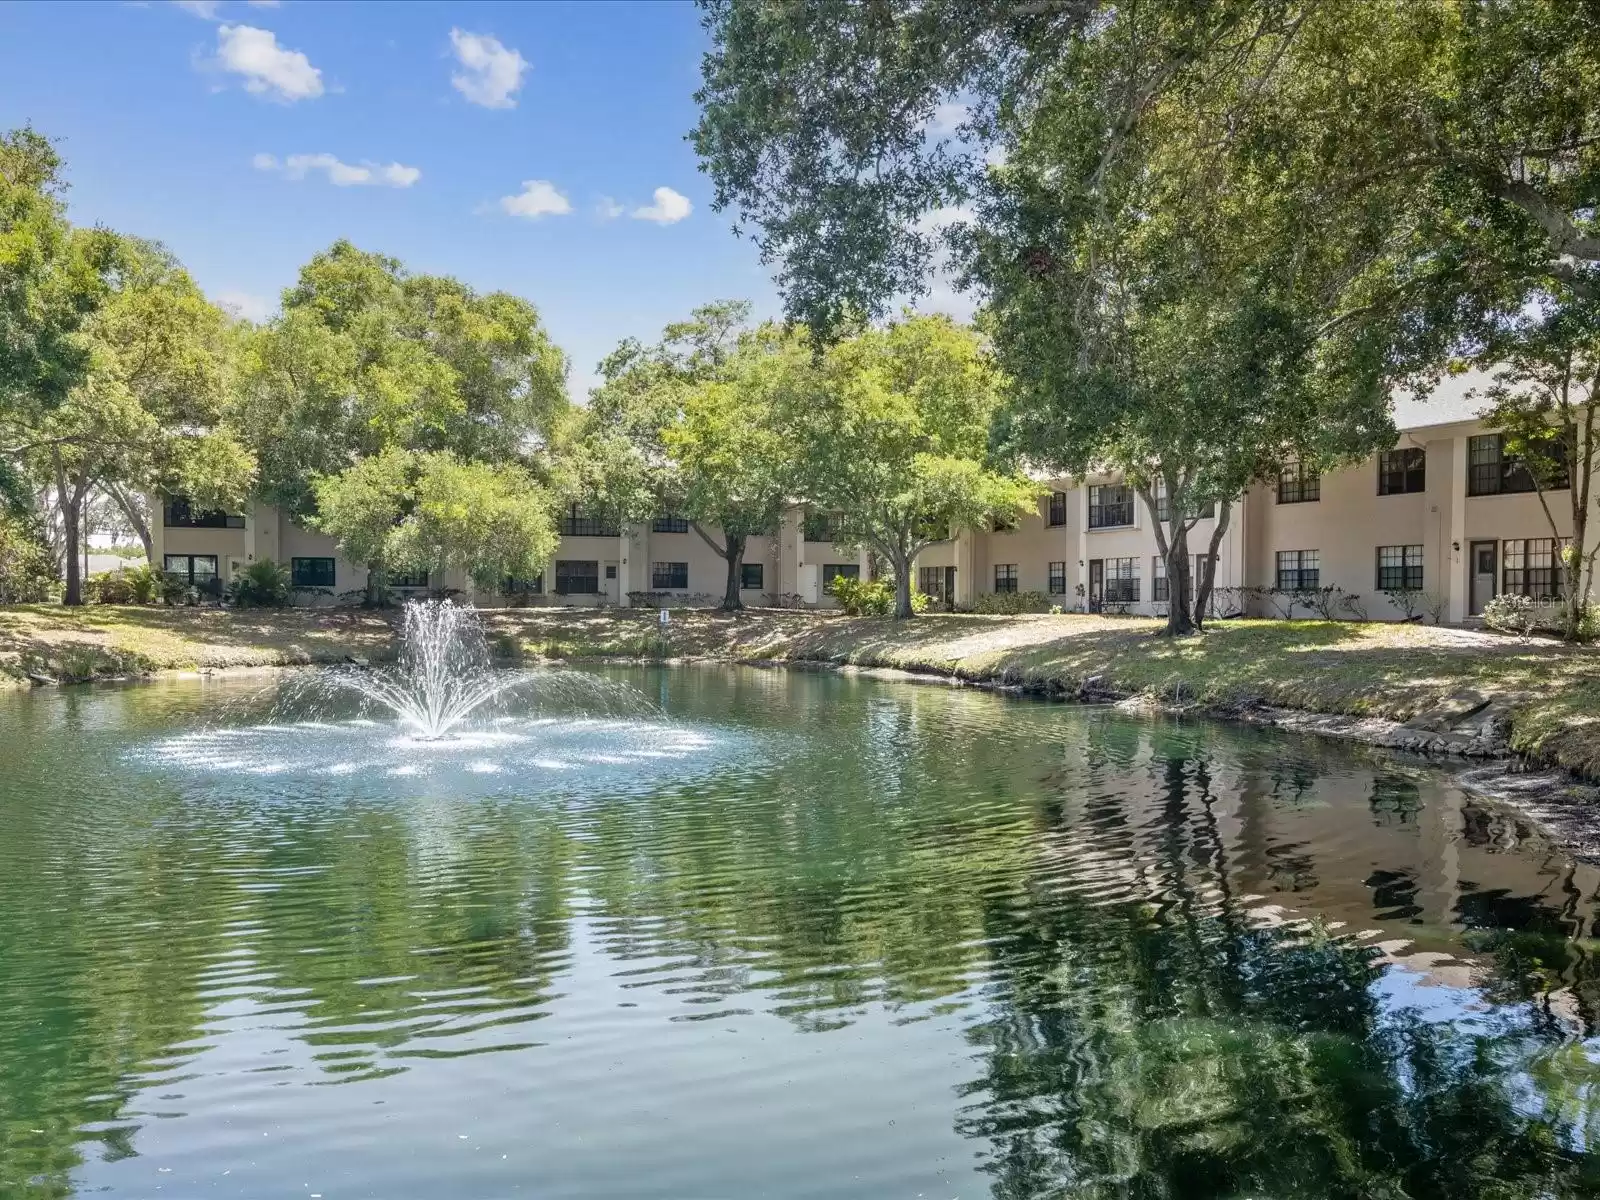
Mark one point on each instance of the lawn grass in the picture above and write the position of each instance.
(1550, 692)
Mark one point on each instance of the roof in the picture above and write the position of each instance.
(1446, 404)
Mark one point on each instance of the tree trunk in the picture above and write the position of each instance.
(1580, 468)
(71, 502)
(1179, 623)
(732, 601)
(130, 509)
(1208, 566)
(902, 589)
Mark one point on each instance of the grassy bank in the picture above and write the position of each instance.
(1550, 693)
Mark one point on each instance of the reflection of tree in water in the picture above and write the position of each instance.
(1139, 1050)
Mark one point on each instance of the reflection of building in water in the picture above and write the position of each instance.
(1285, 831)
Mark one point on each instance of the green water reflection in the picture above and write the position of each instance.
(801, 937)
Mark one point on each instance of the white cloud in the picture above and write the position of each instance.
(490, 72)
(937, 220)
(947, 118)
(538, 198)
(608, 209)
(340, 174)
(267, 68)
(206, 10)
(668, 209)
(244, 304)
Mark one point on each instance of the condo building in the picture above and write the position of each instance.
(1445, 512)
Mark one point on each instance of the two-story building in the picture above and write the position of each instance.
(1445, 512)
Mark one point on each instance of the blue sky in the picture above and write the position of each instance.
(247, 136)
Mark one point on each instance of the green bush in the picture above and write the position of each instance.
(1010, 603)
(126, 585)
(27, 568)
(871, 597)
(262, 584)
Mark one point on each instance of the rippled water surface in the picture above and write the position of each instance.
(771, 935)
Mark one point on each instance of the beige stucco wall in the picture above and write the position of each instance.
(1346, 527)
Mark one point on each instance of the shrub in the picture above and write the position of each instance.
(262, 584)
(1436, 605)
(27, 568)
(871, 597)
(107, 587)
(863, 597)
(1410, 601)
(1011, 603)
(1511, 613)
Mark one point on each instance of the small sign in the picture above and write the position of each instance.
(666, 618)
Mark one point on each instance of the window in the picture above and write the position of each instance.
(1164, 509)
(832, 571)
(199, 571)
(1005, 577)
(611, 570)
(512, 586)
(1529, 568)
(1399, 567)
(824, 527)
(1402, 471)
(930, 582)
(178, 513)
(1110, 505)
(1492, 472)
(1058, 579)
(1299, 570)
(1298, 483)
(665, 576)
(408, 579)
(1058, 509)
(667, 523)
(576, 523)
(311, 572)
(1121, 585)
(752, 576)
(577, 577)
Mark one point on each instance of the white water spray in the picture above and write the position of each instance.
(445, 670)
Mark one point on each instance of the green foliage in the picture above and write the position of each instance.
(135, 585)
(27, 568)
(151, 411)
(694, 425)
(52, 278)
(366, 358)
(411, 511)
(262, 584)
(871, 597)
(1012, 603)
(895, 440)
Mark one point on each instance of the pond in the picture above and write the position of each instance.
(730, 933)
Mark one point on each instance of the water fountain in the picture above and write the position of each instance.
(445, 672)
(444, 711)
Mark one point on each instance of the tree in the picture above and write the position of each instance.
(695, 425)
(734, 462)
(895, 440)
(1179, 288)
(52, 277)
(1546, 367)
(150, 412)
(434, 511)
(366, 361)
